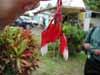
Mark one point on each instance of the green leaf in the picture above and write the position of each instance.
(10, 41)
(18, 63)
(22, 46)
(1, 41)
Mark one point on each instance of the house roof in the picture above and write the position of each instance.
(74, 4)
(68, 5)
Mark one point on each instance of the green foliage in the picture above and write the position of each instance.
(75, 37)
(93, 4)
(53, 49)
(17, 48)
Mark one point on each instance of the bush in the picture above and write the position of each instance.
(17, 52)
(75, 37)
(53, 49)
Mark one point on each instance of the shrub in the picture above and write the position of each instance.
(75, 37)
(17, 52)
(53, 49)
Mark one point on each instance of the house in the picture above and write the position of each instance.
(70, 8)
(91, 18)
(95, 18)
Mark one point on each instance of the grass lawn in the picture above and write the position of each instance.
(57, 66)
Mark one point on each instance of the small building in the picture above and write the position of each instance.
(95, 18)
(91, 18)
(71, 9)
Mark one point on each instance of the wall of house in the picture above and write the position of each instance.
(95, 21)
(95, 18)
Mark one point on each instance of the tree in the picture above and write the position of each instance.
(93, 4)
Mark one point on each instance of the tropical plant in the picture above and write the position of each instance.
(18, 54)
(75, 37)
